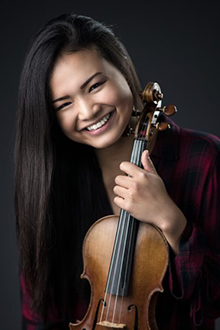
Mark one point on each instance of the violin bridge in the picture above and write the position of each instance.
(111, 325)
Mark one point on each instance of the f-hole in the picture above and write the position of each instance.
(136, 315)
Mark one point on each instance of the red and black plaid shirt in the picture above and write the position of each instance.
(189, 164)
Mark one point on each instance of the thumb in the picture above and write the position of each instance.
(147, 162)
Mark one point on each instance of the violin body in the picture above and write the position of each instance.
(136, 310)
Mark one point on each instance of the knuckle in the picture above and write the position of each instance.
(135, 186)
(135, 189)
(142, 175)
(131, 195)
(127, 205)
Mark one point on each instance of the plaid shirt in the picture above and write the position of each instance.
(189, 164)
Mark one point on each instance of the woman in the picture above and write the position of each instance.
(77, 93)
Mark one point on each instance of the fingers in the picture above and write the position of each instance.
(147, 162)
(133, 170)
(130, 169)
(131, 186)
(120, 191)
(123, 181)
(120, 202)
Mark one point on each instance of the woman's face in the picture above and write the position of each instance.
(92, 99)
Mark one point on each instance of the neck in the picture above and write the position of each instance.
(113, 155)
(116, 153)
(109, 160)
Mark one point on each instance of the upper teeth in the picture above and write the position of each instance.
(99, 124)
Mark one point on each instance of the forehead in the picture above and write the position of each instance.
(80, 62)
(77, 67)
(72, 70)
(85, 56)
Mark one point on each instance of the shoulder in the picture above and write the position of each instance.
(179, 143)
(198, 150)
(200, 139)
(199, 145)
(194, 141)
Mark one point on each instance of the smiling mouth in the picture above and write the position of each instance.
(101, 123)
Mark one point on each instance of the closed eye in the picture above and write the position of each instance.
(64, 105)
(96, 85)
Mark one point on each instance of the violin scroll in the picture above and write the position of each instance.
(152, 93)
(152, 98)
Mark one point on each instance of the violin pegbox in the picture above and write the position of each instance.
(149, 121)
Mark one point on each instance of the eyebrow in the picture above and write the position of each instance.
(81, 87)
(88, 80)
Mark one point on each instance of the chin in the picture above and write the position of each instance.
(105, 142)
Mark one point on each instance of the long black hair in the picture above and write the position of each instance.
(55, 177)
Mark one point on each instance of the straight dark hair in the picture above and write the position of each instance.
(55, 177)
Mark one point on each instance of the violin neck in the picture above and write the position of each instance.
(122, 256)
(139, 146)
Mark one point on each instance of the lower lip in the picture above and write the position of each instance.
(103, 128)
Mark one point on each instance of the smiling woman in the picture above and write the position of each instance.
(78, 95)
(91, 108)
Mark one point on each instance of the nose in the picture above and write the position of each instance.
(87, 109)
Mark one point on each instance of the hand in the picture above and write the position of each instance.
(143, 194)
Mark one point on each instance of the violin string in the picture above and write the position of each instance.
(125, 232)
(138, 149)
(126, 225)
(126, 269)
(123, 223)
(122, 249)
(110, 274)
(127, 221)
(118, 243)
(129, 224)
(136, 155)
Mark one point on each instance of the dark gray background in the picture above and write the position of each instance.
(175, 43)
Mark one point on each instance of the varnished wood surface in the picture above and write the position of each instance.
(148, 269)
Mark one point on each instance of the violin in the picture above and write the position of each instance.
(125, 260)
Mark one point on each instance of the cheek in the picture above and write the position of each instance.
(65, 121)
(118, 95)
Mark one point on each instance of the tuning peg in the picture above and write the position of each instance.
(169, 110)
(162, 126)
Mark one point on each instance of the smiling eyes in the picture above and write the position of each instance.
(64, 105)
(96, 85)
(91, 89)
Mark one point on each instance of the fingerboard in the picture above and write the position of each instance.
(123, 251)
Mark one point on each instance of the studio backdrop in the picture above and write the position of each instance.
(175, 43)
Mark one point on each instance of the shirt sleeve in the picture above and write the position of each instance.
(194, 274)
(32, 321)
